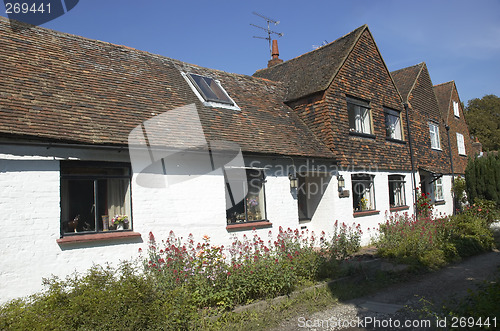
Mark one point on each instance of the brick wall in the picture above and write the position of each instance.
(363, 76)
(423, 109)
(458, 124)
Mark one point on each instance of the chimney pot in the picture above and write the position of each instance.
(274, 55)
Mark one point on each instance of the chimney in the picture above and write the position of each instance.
(274, 55)
(477, 147)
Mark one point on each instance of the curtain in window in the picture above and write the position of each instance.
(118, 195)
(393, 126)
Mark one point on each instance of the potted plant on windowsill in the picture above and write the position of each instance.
(120, 222)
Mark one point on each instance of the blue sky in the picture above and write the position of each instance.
(459, 40)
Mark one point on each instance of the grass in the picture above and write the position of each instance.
(272, 313)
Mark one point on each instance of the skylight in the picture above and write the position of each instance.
(210, 89)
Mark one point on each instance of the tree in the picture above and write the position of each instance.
(482, 177)
(483, 119)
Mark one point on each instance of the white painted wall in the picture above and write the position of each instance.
(30, 209)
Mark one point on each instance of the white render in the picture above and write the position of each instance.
(30, 209)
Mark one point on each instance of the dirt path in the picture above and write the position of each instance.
(394, 303)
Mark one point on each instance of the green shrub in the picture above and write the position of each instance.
(485, 209)
(471, 235)
(433, 242)
(346, 240)
(103, 298)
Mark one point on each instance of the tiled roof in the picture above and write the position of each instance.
(314, 71)
(405, 79)
(443, 95)
(61, 87)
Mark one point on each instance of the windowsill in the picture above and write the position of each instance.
(97, 237)
(361, 134)
(400, 208)
(439, 203)
(248, 225)
(464, 155)
(436, 149)
(365, 213)
(397, 141)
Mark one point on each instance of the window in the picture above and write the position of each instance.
(460, 144)
(438, 189)
(397, 196)
(456, 110)
(359, 116)
(245, 198)
(434, 132)
(363, 193)
(95, 197)
(393, 124)
(210, 89)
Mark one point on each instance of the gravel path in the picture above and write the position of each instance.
(381, 310)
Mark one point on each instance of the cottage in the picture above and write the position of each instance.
(101, 144)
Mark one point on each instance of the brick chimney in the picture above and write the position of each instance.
(274, 55)
(477, 147)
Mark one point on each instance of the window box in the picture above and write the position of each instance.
(365, 213)
(439, 203)
(248, 226)
(361, 134)
(400, 208)
(98, 237)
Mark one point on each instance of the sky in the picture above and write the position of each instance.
(458, 40)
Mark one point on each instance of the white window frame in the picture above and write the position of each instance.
(438, 189)
(397, 190)
(461, 144)
(393, 130)
(212, 104)
(363, 185)
(434, 136)
(456, 109)
(359, 114)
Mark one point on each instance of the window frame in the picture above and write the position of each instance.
(394, 113)
(461, 144)
(70, 166)
(397, 179)
(208, 85)
(434, 133)
(456, 109)
(228, 186)
(438, 183)
(360, 179)
(354, 104)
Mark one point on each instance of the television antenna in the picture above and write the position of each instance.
(268, 30)
(323, 43)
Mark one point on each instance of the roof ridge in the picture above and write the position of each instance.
(124, 47)
(450, 82)
(362, 27)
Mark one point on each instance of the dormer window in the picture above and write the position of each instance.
(210, 89)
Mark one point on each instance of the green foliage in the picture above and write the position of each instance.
(346, 240)
(104, 298)
(433, 242)
(488, 131)
(484, 209)
(483, 178)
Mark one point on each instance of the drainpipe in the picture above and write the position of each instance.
(414, 182)
(447, 127)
